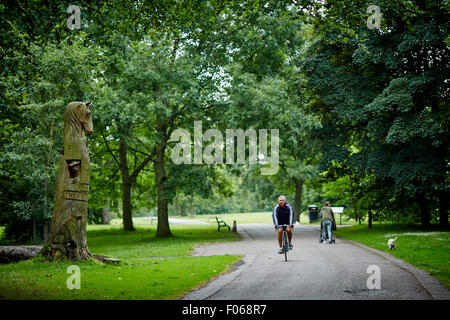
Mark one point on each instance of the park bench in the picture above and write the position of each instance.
(221, 224)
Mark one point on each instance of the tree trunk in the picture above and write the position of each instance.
(106, 218)
(163, 229)
(46, 229)
(191, 208)
(298, 199)
(183, 210)
(126, 207)
(45, 218)
(355, 207)
(370, 219)
(424, 210)
(126, 188)
(67, 238)
(443, 208)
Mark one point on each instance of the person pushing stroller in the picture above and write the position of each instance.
(327, 217)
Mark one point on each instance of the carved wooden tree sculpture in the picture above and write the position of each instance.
(67, 238)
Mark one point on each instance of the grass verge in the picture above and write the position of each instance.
(148, 278)
(427, 249)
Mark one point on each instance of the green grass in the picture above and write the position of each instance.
(156, 278)
(116, 243)
(142, 279)
(241, 218)
(426, 249)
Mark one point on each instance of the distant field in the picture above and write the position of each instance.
(241, 218)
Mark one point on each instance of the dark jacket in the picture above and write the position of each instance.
(283, 215)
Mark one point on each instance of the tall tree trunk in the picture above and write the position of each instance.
(424, 210)
(370, 219)
(106, 218)
(67, 237)
(355, 206)
(443, 197)
(191, 208)
(443, 208)
(126, 206)
(183, 210)
(126, 188)
(46, 229)
(163, 229)
(355, 209)
(298, 198)
(46, 182)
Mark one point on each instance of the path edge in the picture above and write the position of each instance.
(433, 286)
(208, 288)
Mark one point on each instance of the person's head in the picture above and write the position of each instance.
(281, 200)
(327, 203)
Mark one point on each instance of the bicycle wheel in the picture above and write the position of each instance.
(285, 245)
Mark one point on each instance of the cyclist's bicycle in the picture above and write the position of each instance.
(285, 242)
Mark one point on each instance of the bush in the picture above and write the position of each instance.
(17, 230)
(95, 216)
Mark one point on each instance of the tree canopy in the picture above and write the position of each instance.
(362, 113)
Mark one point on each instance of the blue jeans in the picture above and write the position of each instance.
(326, 229)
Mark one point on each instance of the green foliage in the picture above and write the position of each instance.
(363, 114)
(95, 215)
(382, 95)
(46, 80)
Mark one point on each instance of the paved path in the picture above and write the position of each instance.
(313, 270)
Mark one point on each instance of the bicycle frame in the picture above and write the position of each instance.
(285, 244)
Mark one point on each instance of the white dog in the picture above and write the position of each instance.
(391, 244)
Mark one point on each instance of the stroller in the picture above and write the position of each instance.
(333, 227)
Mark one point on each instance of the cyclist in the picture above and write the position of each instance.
(283, 214)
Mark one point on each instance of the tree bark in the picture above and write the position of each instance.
(106, 218)
(67, 237)
(298, 198)
(10, 254)
(163, 229)
(370, 219)
(191, 208)
(126, 188)
(126, 207)
(355, 206)
(443, 208)
(424, 210)
(46, 183)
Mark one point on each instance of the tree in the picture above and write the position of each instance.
(267, 91)
(47, 78)
(383, 95)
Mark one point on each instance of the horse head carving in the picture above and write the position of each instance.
(77, 118)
